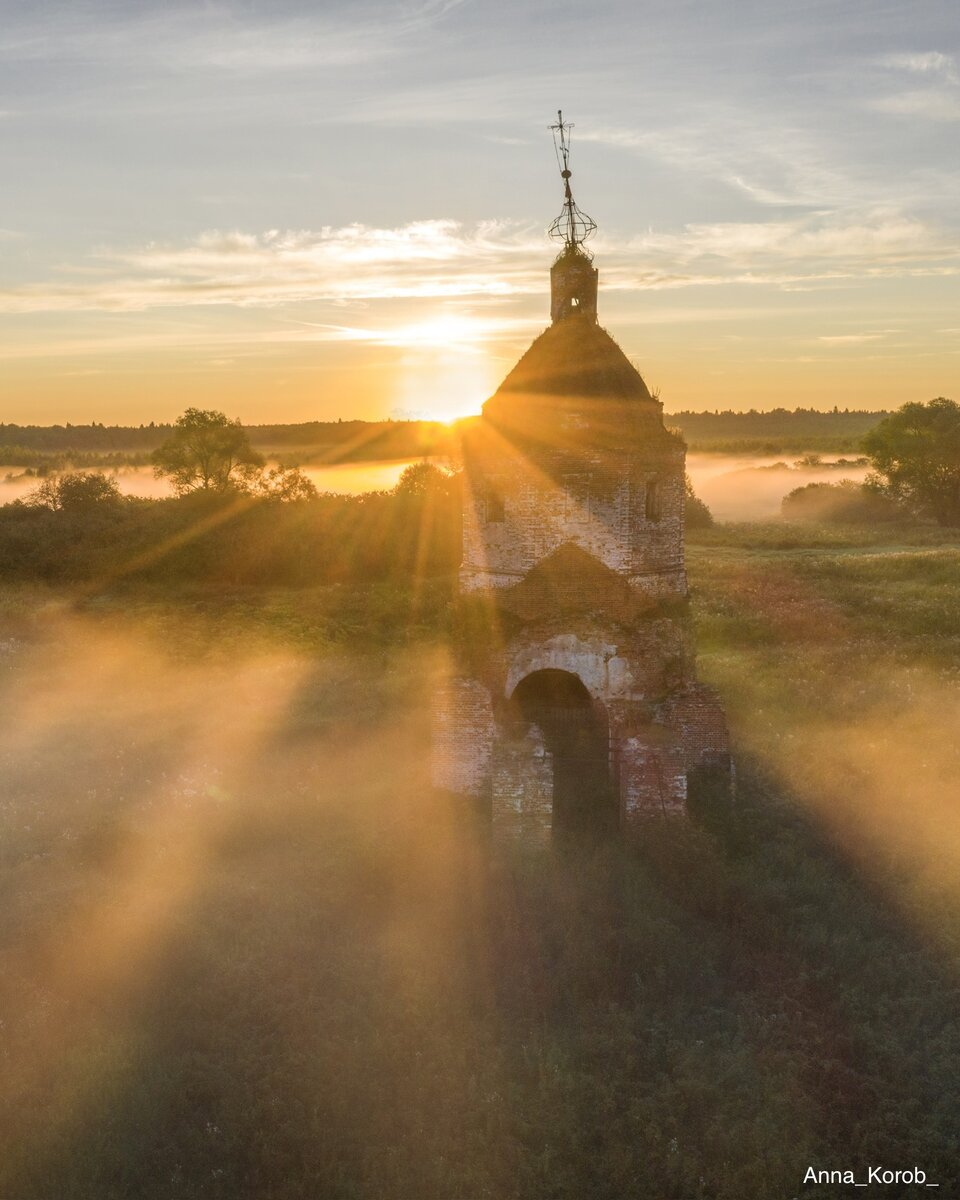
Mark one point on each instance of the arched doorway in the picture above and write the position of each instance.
(576, 733)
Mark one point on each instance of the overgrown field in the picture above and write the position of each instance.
(247, 955)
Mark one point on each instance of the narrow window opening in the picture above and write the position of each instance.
(495, 507)
(576, 498)
(652, 502)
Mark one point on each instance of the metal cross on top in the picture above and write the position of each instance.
(572, 227)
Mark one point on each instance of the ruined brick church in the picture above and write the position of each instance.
(579, 707)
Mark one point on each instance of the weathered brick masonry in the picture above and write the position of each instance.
(586, 702)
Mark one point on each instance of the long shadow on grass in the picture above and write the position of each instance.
(356, 1007)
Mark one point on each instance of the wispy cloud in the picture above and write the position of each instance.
(770, 162)
(939, 101)
(220, 36)
(425, 259)
(850, 339)
(443, 259)
(881, 240)
(450, 330)
(931, 104)
(931, 62)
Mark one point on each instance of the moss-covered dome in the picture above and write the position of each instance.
(574, 357)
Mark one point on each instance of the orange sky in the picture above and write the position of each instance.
(442, 360)
(290, 213)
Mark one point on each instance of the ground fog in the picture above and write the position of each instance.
(247, 951)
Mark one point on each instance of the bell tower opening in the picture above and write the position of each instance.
(573, 285)
(573, 277)
(576, 734)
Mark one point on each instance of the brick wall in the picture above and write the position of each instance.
(463, 737)
(522, 788)
(652, 781)
(697, 716)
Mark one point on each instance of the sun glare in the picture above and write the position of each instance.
(443, 386)
(447, 331)
(445, 372)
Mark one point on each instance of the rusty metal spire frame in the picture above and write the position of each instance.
(572, 227)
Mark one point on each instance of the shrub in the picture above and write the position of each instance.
(77, 491)
(696, 513)
(843, 503)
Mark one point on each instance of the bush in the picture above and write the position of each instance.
(696, 513)
(843, 503)
(236, 537)
(76, 491)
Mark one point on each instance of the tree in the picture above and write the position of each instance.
(281, 483)
(915, 453)
(207, 452)
(425, 479)
(76, 491)
(696, 513)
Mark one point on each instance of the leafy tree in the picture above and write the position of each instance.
(915, 453)
(280, 483)
(76, 491)
(206, 452)
(696, 513)
(424, 479)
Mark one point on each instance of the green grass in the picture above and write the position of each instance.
(247, 954)
(872, 591)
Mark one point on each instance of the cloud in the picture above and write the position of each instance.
(425, 259)
(445, 260)
(497, 95)
(466, 334)
(930, 63)
(808, 160)
(939, 102)
(221, 37)
(850, 339)
(880, 241)
(932, 104)
(772, 163)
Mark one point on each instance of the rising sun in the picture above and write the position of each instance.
(445, 372)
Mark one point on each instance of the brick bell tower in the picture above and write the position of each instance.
(575, 704)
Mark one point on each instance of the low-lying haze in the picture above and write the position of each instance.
(735, 487)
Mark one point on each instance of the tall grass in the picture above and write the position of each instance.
(247, 953)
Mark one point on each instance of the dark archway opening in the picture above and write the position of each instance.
(576, 733)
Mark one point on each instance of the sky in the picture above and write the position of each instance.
(294, 211)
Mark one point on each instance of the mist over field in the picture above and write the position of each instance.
(740, 487)
(341, 478)
(736, 487)
(247, 950)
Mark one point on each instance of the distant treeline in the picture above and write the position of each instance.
(96, 437)
(778, 431)
(778, 422)
(774, 432)
(333, 441)
(811, 444)
(46, 462)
